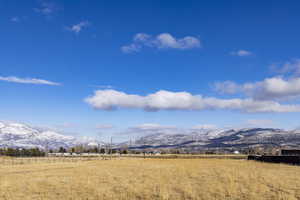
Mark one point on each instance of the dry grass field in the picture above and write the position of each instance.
(150, 179)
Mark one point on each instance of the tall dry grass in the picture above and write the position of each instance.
(149, 179)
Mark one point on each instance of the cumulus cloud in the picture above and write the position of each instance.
(161, 41)
(77, 28)
(241, 53)
(166, 100)
(27, 80)
(275, 88)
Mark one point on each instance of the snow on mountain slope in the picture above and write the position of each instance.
(24, 136)
(211, 138)
(168, 139)
(162, 138)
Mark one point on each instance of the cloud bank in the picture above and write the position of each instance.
(167, 100)
(275, 88)
(161, 41)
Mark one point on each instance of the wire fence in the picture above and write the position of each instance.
(62, 159)
(74, 159)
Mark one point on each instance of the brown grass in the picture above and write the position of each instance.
(149, 179)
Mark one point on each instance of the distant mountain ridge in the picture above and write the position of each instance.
(221, 138)
(18, 135)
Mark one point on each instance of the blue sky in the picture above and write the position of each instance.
(240, 56)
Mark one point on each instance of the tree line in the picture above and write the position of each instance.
(17, 152)
(36, 152)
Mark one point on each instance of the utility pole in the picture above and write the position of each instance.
(99, 149)
(110, 147)
(144, 149)
(130, 144)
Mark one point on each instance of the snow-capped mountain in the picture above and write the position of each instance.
(20, 135)
(24, 136)
(221, 138)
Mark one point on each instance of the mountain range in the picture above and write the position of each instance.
(18, 135)
(221, 138)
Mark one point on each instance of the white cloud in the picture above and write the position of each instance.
(284, 87)
(104, 126)
(113, 99)
(130, 48)
(27, 80)
(161, 41)
(241, 53)
(165, 40)
(166, 100)
(78, 27)
(290, 67)
(275, 88)
(141, 37)
(46, 8)
(227, 87)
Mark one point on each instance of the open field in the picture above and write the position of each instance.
(30, 160)
(133, 178)
(188, 156)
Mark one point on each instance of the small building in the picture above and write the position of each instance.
(290, 152)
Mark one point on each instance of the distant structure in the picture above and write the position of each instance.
(289, 156)
(290, 152)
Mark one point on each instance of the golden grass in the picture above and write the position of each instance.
(150, 179)
(189, 156)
